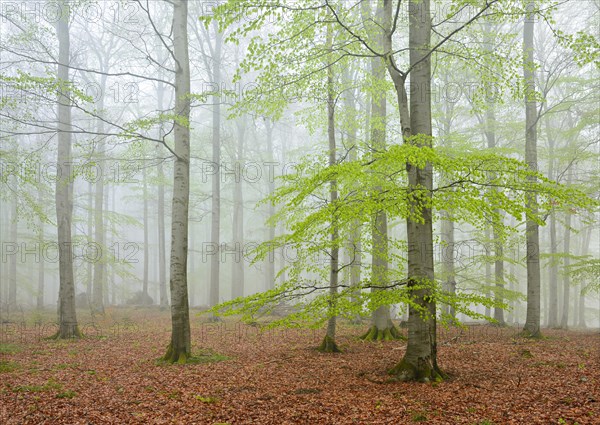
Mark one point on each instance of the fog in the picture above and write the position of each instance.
(250, 126)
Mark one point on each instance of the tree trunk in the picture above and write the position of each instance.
(215, 238)
(382, 326)
(584, 252)
(449, 261)
(179, 349)
(490, 132)
(488, 270)
(14, 225)
(532, 321)
(67, 316)
(146, 241)
(553, 281)
(162, 250)
(40, 285)
(354, 245)
(113, 274)
(420, 359)
(271, 208)
(237, 268)
(90, 231)
(564, 321)
(447, 225)
(329, 345)
(98, 287)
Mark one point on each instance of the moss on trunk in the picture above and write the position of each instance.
(390, 333)
(175, 356)
(328, 346)
(422, 370)
(526, 333)
(68, 332)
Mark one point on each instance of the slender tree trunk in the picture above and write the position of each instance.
(532, 322)
(564, 321)
(237, 272)
(179, 349)
(497, 223)
(14, 225)
(488, 270)
(215, 238)
(162, 250)
(146, 240)
(113, 274)
(282, 257)
(584, 252)
(354, 245)
(99, 283)
(449, 261)
(553, 269)
(553, 281)
(192, 265)
(40, 286)
(67, 317)
(90, 232)
(329, 345)
(382, 326)
(271, 208)
(447, 225)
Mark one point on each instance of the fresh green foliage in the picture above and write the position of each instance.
(586, 269)
(307, 214)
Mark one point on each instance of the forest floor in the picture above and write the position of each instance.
(245, 376)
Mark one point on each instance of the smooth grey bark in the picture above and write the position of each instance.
(566, 280)
(110, 195)
(329, 345)
(490, 134)
(448, 264)
(585, 249)
(282, 257)
(488, 270)
(215, 227)
(99, 282)
(146, 240)
(270, 126)
(191, 265)
(553, 269)
(41, 269)
(90, 231)
(447, 222)
(162, 250)
(382, 326)
(532, 321)
(420, 359)
(14, 225)
(179, 350)
(237, 267)
(354, 244)
(67, 317)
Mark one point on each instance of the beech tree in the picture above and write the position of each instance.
(179, 349)
(532, 323)
(67, 316)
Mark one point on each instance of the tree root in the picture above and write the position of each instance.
(388, 334)
(173, 356)
(72, 334)
(424, 371)
(526, 333)
(328, 346)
